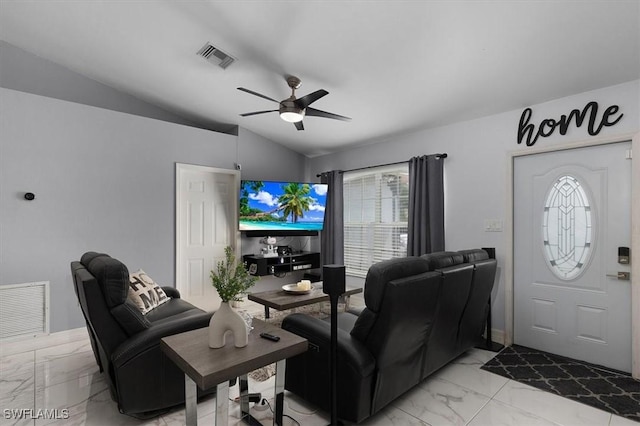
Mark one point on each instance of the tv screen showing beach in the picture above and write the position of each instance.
(281, 206)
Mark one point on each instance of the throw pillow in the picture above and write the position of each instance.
(144, 292)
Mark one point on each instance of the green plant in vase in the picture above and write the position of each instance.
(230, 279)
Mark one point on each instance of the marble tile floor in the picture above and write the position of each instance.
(58, 373)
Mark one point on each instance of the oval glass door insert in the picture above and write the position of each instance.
(567, 228)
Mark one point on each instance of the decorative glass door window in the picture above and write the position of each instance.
(567, 228)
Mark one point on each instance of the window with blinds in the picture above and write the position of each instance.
(376, 203)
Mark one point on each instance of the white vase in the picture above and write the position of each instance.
(226, 320)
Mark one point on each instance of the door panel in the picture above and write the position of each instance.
(207, 223)
(571, 212)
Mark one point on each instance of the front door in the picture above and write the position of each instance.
(571, 213)
(206, 222)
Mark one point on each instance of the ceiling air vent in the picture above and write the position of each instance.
(216, 56)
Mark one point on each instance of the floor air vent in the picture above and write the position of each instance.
(24, 309)
(216, 56)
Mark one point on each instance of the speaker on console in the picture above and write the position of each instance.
(284, 250)
(333, 279)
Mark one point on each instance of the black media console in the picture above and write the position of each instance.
(269, 265)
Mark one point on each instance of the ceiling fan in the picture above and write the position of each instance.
(294, 110)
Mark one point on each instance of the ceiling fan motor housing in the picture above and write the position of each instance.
(294, 82)
(290, 112)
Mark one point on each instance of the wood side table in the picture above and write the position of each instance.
(281, 300)
(205, 367)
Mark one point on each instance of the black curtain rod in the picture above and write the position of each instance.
(443, 155)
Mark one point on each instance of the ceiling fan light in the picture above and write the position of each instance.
(291, 117)
(290, 112)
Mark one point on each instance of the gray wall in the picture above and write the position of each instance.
(26, 72)
(104, 181)
(476, 170)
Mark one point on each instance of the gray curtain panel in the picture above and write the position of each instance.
(426, 205)
(332, 236)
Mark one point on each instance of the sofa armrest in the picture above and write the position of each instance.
(171, 292)
(150, 337)
(318, 332)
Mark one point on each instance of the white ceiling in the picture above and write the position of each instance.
(393, 66)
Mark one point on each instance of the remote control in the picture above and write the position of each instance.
(269, 337)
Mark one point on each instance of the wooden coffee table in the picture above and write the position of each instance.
(281, 300)
(205, 367)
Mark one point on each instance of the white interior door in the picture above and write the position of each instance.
(206, 222)
(571, 213)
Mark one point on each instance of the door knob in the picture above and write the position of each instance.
(624, 276)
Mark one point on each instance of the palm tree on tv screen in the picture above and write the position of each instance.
(253, 186)
(295, 200)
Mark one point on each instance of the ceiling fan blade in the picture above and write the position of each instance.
(307, 100)
(247, 114)
(299, 125)
(317, 113)
(257, 94)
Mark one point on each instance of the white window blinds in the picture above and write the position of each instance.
(376, 204)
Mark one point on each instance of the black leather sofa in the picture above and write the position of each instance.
(421, 313)
(126, 344)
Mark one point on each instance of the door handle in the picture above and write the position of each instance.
(624, 276)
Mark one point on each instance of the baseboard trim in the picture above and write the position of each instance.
(497, 336)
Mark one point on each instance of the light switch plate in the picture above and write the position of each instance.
(492, 225)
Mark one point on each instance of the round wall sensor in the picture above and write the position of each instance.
(29, 196)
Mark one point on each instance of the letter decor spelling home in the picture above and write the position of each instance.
(548, 125)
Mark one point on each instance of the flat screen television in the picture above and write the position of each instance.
(269, 208)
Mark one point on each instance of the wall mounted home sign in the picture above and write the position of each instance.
(530, 134)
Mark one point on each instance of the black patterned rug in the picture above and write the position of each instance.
(600, 387)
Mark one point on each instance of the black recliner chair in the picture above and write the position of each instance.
(126, 344)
